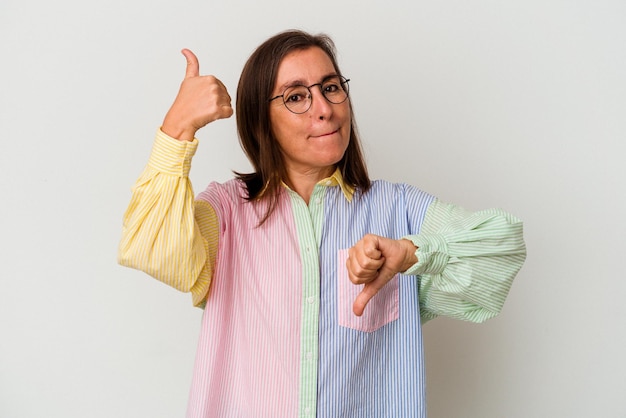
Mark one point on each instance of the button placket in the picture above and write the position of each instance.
(309, 244)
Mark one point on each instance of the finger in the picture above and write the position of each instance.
(226, 111)
(371, 246)
(361, 272)
(373, 253)
(367, 263)
(218, 81)
(366, 257)
(225, 107)
(193, 66)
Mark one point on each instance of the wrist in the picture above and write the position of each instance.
(178, 130)
(410, 258)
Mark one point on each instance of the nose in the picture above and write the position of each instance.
(321, 108)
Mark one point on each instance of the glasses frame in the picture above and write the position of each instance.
(342, 80)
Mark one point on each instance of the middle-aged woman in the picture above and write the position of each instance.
(314, 280)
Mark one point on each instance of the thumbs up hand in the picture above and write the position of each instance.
(200, 100)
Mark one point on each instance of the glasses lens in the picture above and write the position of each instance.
(335, 89)
(297, 99)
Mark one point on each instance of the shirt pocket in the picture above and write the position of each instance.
(382, 309)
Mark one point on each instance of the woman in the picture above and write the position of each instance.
(314, 280)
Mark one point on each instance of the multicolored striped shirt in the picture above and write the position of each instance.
(278, 336)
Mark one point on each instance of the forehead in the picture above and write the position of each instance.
(305, 66)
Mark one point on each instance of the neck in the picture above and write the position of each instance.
(303, 183)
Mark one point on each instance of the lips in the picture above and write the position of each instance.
(325, 134)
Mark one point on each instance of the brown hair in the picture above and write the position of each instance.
(253, 120)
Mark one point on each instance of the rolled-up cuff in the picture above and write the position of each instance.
(171, 156)
(432, 254)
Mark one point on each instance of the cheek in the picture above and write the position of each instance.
(277, 127)
(347, 115)
(347, 126)
(283, 124)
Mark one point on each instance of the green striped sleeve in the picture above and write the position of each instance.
(466, 261)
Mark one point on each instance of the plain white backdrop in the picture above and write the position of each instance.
(516, 104)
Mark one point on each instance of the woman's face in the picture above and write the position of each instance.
(314, 141)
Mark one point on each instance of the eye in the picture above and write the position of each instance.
(331, 87)
(296, 94)
(294, 98)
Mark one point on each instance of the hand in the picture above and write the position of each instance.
(374, 261)
(200, 100)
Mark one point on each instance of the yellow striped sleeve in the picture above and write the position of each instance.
(466, 261)
(164, 233)
(208, 224)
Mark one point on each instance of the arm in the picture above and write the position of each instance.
(165, 233)
(465, 261)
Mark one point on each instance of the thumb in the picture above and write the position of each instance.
(369, 291)
(385, 274)
(193, 66)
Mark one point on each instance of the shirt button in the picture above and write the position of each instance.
(310, 299)
(307, 410)
(318, 200)
(309, 356)
(328, 182)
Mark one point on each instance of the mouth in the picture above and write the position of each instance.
(326, 134)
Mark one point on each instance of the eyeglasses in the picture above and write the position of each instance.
(298, 99)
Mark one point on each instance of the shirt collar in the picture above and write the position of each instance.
(336, 179)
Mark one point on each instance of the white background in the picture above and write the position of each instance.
(516, 104)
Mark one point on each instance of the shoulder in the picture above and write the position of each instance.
(232, 191)
(384, 189)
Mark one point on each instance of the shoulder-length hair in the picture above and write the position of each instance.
(253, 119)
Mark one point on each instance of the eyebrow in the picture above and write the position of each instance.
(299, 82)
